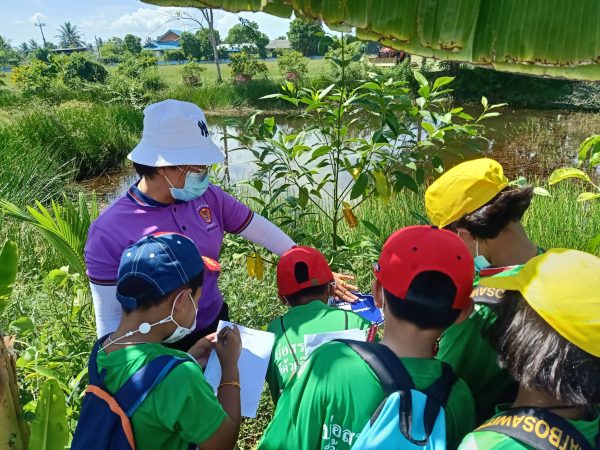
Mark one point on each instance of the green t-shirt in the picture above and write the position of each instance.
(313, 318)
(490, 440)
(180, 410)
(334, 394)
(466, 348)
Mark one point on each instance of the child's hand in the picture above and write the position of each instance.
(229, 346)
(200, 351)
(342, 288)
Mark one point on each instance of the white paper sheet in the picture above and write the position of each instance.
(253, 363)
(312, 341)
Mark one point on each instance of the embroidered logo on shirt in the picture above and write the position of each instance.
(205, 214)
(203, 128)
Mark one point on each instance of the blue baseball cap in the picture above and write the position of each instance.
(156, 265)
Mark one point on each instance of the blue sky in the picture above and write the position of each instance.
(106, 18)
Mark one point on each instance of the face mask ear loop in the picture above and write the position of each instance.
(169, 181)
(476, 247)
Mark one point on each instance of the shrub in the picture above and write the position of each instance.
(191, 73)
(292, 61)
(245, 66)
(135, 66)
(139, 74)
(355, 70)
(80, 65)
(36, 77)
(173, 55)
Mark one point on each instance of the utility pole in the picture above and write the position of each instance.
(40, 25)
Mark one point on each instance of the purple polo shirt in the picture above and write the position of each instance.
(204, 220)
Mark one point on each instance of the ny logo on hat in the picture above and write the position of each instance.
(203, 128)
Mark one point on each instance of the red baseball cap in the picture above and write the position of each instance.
(413, 250)
(319, 272)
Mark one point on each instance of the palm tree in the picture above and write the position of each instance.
(24, 48)
(69, 36)
(33, 45)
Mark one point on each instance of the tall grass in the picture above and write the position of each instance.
(85, 138)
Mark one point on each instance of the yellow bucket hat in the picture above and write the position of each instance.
(563, 287)
(463, 189)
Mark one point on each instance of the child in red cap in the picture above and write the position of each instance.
(305, 283)
(422, 282)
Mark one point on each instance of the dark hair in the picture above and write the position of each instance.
(145, 171)
(539, 358)
(143, 291)
(488, 221)
(428, 302)
(310, 293)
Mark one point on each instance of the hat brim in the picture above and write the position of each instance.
(151, 156)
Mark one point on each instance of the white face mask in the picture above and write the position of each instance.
(180, 332)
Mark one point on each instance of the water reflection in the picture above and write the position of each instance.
(528, 143)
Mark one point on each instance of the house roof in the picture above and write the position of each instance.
(279, 44)
(162, 46)
(177, 32)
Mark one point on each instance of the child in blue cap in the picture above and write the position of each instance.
(159, 284)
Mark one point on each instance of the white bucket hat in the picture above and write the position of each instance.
(175, 134)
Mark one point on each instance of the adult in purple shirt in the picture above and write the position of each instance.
(174, 194)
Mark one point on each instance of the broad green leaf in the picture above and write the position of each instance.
(567, 172)
(8, 271)
(372, 228)
(21, 325)
(420, 78)
(360, 186)
(484, 102)
(381, 185)
(586, 196)
(594, 245)
(520, 182)
(49, 428)
(58, 277)
(586, 145)
(428, 127)
(442, 81)
(404, 180)
(303, 197)
(541, 191)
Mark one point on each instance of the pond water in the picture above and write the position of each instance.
(529, 143)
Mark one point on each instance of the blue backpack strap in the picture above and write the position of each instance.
(136, 389)
(392, 374)
(394, 377)
(95, 378)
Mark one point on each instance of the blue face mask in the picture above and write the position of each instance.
(480, 261)
(195, 185)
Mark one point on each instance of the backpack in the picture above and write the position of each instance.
(104, 422)
(539, 428)
(408, 418)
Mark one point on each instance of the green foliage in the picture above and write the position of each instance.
(9, 261)
(135, 79)
(133, 44)
(65, 226)
(190, 45)
(349, 50)
(246, 65)
(588, 155)
(112, 51)
(292, 61)
(173, 55)
(247, 32)
(191, 73)
(304, 36)
(49, 429)
(81, 66)
(8, 55)
(36, 77)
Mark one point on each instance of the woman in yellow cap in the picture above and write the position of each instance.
(474, 199)
(548, 337)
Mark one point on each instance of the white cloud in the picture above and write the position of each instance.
(37, 15)
(147, 20)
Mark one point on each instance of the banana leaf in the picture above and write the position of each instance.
(550, 38)
(49, 429)
(8, 271)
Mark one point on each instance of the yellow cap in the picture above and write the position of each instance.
(463, 189)
(563, 287)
